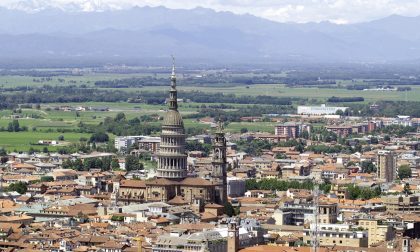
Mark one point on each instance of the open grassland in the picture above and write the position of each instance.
(23, 141)
(280, 90)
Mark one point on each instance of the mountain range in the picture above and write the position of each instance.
(140, 34)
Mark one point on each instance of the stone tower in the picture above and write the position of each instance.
(233, 236)
(172, 158)
(219, 165)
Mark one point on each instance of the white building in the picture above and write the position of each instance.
(319, 110)
(399, 120)
(123, 143)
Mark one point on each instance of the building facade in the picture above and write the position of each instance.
(386, 165)
(319, 110)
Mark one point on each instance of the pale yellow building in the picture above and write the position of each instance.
(377, 232)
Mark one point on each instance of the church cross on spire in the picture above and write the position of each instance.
(173, 103)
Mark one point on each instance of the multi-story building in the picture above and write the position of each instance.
(291, 129)
(402, 203)
(319, 110)
(210, 241)
(148, 143)
(123, 143)
(340, 130)
(338, 235)
(298, 213)
(386, 165)
(377, 232)
(236, 187)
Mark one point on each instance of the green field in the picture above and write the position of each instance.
(43, 124)
(280, 90)
(22, 141)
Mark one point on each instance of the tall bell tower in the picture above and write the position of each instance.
(233, 236)
(219, 164)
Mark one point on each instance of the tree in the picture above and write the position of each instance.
(19, 187)
(407, 189)
(120, 117)
(13, 126)
(281, 156)
(45, 149)
(47, 179)
(368, 167)
(244, 130)
(229, 210)
(99, 137)
(60, 138)
(404, 172)
(114, 164)
(133, 163)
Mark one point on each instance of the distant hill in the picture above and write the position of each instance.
(198, 35)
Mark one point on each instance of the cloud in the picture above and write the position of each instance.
(337, 11)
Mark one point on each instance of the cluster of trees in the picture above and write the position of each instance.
(61, 94)
(202, 97)
(254, 147)
(404, 171)
(19, 187)
(397, 130)
(120, 126)
(321, 148)
(132, 163)
(14, 126)
(105, 164)
(235, 116)
(345, 99)
(368, 167)
(364, 193)
(197, 146)
(387, 109)
(323, 135)
(298, 144)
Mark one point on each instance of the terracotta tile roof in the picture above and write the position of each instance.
(133, 183)
(161, 181)
(195, 182)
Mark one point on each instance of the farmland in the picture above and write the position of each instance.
(49, 121)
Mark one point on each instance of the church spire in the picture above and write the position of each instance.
(173, 76)
(173, 95)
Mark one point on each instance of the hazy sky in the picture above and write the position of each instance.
(338, 11)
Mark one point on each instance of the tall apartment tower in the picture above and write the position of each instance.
(386, 165)
(172, 158)
(233, 236)
(219, 165)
